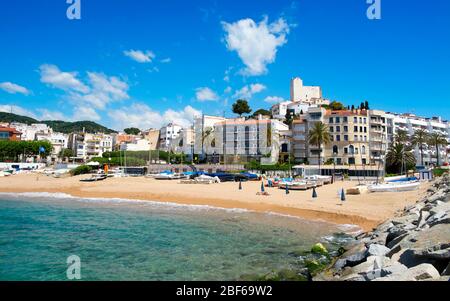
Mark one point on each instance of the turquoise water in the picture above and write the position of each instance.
(126, 240)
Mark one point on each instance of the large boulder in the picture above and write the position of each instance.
(421, 272)
(377, 250)
(356, 255)
(438, 252)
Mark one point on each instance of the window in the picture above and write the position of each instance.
(361, 138)
(338, 119)
(331, 120)
(364, 161)
(335, 150)
(360, 119)
(345, 129)
(345, 137)
(338, 129)
(345, 119)
(365, 129)
(331, 129)
(338, 137)
(361, 129)
(355, 119)
(355, 129)
(345, 150)
(4, 135)
(363, 151)
(356, 150)
(365, 138)
(365, 120)
(351, 160)
(352, 150)
(355, 138)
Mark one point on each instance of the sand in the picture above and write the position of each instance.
(366, 210)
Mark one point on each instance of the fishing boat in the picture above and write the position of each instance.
(323, 179)
(95, 178)
(294, 185)
(394, 186)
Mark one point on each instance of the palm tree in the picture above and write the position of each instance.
(205, 134)
(318, 135)
(420, 138)
(401, 136)
(399, 155)
(436, 140)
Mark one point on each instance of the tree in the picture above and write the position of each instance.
(436, 140)
(353, 107)
(289, 117)
(399, 155)
(401, 136)
(132, 131)
(337, 106)
(318, 135)
(66, 153)
(420, 138)
(207, 132)
(362, 106)
(241, 107)
(366, 105)
(263, 112)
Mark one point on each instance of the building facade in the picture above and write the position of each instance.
(167, 134)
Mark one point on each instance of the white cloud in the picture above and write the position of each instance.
(274, 99)
(14, 88)
(140, 56)
(247, 91)
(144, 117)
(84, 113)
(67, 81)
(45, 114)
(206, 94)
(17, 110)
(166, 60)
(256, 44)
(228, 90)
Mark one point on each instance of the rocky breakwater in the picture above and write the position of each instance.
(414, 246)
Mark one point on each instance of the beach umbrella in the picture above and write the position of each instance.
(262, 186)
(287, 188)
(343, 195)
(314, 194)
(240, 184)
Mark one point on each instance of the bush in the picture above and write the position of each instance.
(438, 172)
(81, 170)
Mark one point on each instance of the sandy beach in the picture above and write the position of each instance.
(366, 210)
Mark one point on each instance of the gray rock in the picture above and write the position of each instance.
(403, 220)
(369, 276)
(443, 220)
(446, 271)
(397, 240)
(353, 277)
(424, 271)
(377, 250)
(372, 263)
(393, 269)
(438, 252)
(356, 255)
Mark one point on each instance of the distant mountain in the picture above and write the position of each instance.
(57, 125)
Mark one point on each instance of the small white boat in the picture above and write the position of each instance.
(204, 179)
(168, 176)
(394, 187)
(322, 179)
(295, 185)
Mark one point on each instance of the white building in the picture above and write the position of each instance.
(239, 140)
(302, 98)
(29, 131)
(87, 146)
(59, 142)
(138, 145)
(167, 134)
(410, 123)
(185, 142)
(202, 125)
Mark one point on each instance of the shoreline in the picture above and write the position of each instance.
(326, 208)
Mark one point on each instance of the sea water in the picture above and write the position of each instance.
(134, 240)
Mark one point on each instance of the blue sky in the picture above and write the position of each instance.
(145, 63)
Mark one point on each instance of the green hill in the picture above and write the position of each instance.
(57, 125)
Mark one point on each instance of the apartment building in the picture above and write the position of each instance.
(167, 134)
(358, 137)
(241, 140)
(409, 123)
(29, 131)
(184, 143)
(203, 125)
(59, 142)
(87, 146)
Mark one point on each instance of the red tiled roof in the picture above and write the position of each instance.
(10, 130)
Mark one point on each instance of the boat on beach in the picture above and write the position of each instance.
(295, 185)
(394, 186)
(95, 178)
